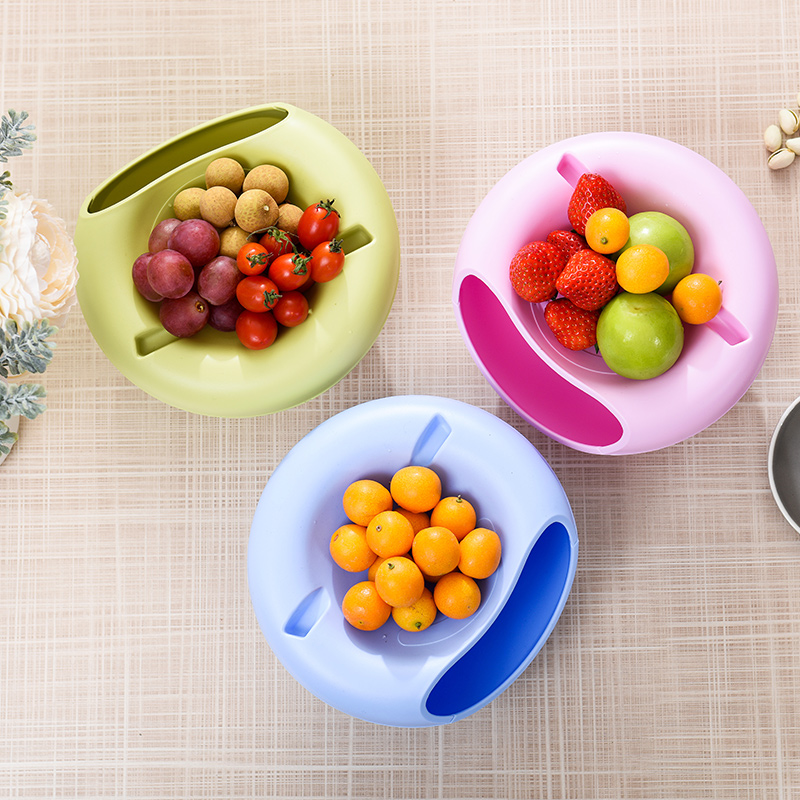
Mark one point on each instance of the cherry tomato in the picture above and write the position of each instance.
(277, 242)
(256, 331)
(309, 282)
(327, 260)
(257, 293)
(252, 258)
(291, 309)
(289, 271)
(318, 223)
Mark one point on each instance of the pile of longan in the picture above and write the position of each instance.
(239, 201)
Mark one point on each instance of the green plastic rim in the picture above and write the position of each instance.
(212, 373)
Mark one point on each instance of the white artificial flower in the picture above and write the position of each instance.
(38, 262)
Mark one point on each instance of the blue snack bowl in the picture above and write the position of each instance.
(454, 667)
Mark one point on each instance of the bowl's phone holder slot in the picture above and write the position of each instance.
(181, 150)
(307, 613)
(570, 169)
(726, 325)
(354, 237)
(524, 619)
(430, 441)
(150, 340)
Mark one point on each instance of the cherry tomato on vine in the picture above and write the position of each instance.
(291, 309)
(277, 242)
(327, 260)
(257, 293)
(318, 223)
(252, 258)
(256, 331)
(289, 271)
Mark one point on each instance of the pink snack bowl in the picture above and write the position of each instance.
(573, 397)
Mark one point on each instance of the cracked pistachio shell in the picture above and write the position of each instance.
(780, 159)
(788, 120)
(773, 138)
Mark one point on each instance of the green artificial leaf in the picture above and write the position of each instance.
(7, 438)
(21, 400)
(14, 136)
(24, 348)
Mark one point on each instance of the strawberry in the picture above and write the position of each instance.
(534, 269)
(589, 280)
(592, 192)
(573, 327)
(569, 241)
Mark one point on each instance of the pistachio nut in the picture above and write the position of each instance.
(773, 138)
(788, 120)
(793, 145)
(780, 158)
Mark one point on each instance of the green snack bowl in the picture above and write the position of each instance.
(212, 373)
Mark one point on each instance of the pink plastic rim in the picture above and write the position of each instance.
(573, 397)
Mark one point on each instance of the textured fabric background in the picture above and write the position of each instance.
(131, 663)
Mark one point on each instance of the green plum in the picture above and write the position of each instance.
(640, 336)
(666, 233)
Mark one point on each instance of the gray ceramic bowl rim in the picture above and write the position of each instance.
(776, 435)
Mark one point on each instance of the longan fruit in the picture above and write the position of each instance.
(186, 204)
(217, 206)
(231, 241)
(273, 180)
(255, 210)
(225, 172)
(288, 217)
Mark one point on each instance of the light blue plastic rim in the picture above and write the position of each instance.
(387, 676)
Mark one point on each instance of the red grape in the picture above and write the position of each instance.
(196, 239)
(184, 316)
(217, 280)
(170, 273)
(223, 317)
(140, 280)
(161, 233)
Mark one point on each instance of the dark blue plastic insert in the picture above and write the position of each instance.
(515, 635)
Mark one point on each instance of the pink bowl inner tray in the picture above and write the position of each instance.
(574, 397)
